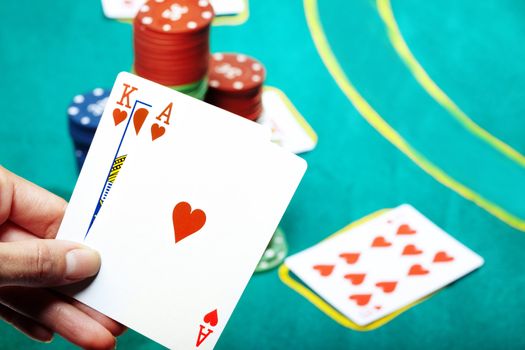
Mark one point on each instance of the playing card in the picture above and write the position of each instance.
(228, 7)
(121, 9)
(127, 9)
(383, 265)
(140, 110)
(289, 129)
(182, 232)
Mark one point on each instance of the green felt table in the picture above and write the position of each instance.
(426, 109)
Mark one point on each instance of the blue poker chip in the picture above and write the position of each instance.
(85, 110)
(81, 146)
(80, 155)
(81, 136)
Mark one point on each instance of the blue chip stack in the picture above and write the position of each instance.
(83, 117)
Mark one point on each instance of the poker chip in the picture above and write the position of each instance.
(275, 252)
(171, 42)
(84, 114)
(197, 89)
(80, 157)
(198, 92)
(235, 83)
(86, 109)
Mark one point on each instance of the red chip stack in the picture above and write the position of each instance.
(235, 84)
(171, 42)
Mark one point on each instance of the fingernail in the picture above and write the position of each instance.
(47, 340)
(41, 334)
(82, 263)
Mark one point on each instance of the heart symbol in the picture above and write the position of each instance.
(387, 287)
(361, 299)
(211, 318)
(324, 270)
(442, 257)
(119, 116)
(380, 241)
(157, 131)
(411, 249)
(351, 258)
(356, 278)
(417, 270)
(185, 221)
(405, 230)
(138, 118)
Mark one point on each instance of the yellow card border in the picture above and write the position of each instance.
(233, 20)
(327, 309)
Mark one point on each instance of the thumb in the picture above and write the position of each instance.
(46, 263)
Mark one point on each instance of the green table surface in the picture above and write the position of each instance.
(473, 50)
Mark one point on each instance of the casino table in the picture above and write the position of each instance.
(419, 102)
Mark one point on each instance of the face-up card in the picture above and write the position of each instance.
(127, 9)
(182, 232)
(121, 9)
(383, 265)
(140, 113)
(228, 7)
(289, 129)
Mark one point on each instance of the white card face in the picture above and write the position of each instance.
(140, 113)
(228, 7)
(180, 289)
(383, 265)
(127, 9)
(121, 9)
(288, 129)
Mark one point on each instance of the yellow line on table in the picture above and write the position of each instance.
(376, 121)
(398, 42)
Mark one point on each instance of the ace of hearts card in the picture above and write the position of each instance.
(184, 220)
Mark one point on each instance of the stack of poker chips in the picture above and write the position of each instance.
(84, 114)
(275, 252)
(171, 44)
(236, 84)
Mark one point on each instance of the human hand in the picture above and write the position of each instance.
(30, 260)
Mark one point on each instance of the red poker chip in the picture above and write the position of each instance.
(180, 41)
(193, 63)
(255, 115)
(175, 16)
(161, 62)
(165, 79)
(235, 72)
(201, 52)
(231, 104)
(235, 84)
(171, 41)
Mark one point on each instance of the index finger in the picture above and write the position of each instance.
(29, 206)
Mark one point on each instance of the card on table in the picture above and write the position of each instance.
(186, 221)
(228, 7)
(389, 262)
(121, 9)
(128, 116)
(127, 9)
(289, 129)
